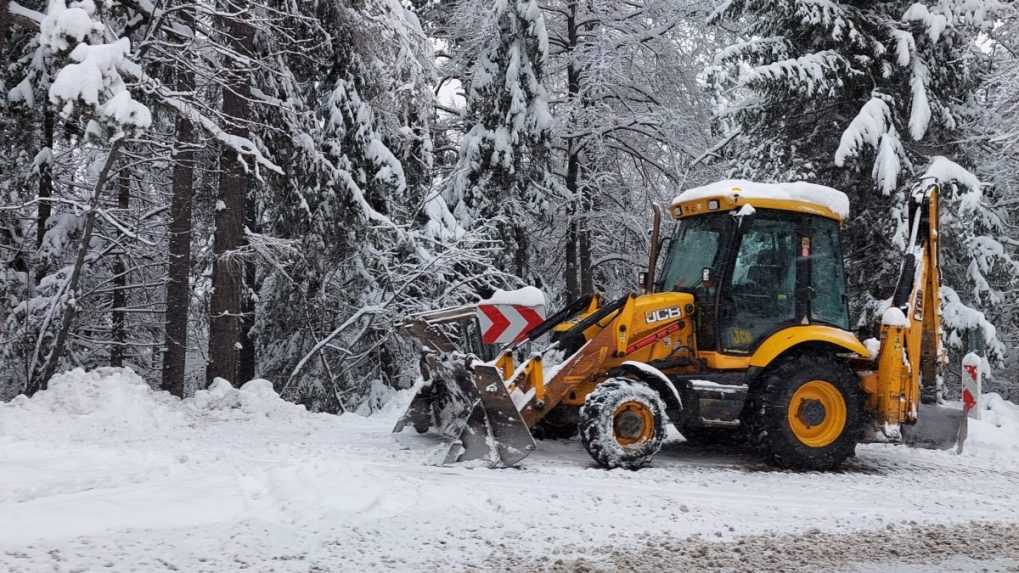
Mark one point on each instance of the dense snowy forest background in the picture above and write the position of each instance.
(238, 189)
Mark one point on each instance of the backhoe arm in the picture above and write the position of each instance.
(910, 340)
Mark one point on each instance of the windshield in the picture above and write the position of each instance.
(695, 246)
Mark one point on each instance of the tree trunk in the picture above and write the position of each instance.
(522, 241)
(572, 285)
(226, 308)
(586, 272)
(118, 333)
(45, 177)
(573, 159)
(178, 288)
(5, 25)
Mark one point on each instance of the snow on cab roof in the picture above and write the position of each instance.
(833, 199)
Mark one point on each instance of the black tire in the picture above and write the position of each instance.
(606, 418)
(559, 424)
(766, 414)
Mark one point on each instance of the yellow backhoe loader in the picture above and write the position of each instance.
(744, 332)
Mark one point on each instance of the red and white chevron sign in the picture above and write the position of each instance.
(506, 323)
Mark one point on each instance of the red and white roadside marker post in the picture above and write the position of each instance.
(507, 323)
(507, 316)
(972, 379)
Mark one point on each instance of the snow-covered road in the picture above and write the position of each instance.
(100, 473)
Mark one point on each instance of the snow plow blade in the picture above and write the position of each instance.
(471, 406)
(937, 428)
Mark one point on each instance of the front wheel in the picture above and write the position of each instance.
(807, 412)
(622, 424)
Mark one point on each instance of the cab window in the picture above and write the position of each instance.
(827, 276)
(761, 292)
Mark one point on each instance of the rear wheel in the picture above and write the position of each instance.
(806, 412)
(622, 424)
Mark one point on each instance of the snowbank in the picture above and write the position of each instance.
(84, 405)
(80, 405)
(256, 398)
(996, 434)
(797, 190)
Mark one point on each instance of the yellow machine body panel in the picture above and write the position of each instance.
(776, 344)
(647, 328)
(653, 327)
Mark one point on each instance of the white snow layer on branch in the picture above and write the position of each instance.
(16, 9)
(920, 108)
(828, 14)
(948, 171)
(441, 225)
(63, 28)
(887, 166)
(905, 45)
(94, 74)
(807, 72)
(242, 145)
(873, 121)
(390, 170)
(774, 46)
(934, 23)
(957, 316)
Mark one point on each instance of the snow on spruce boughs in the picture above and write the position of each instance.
(88, 62)
(861, 97)
(373, 239)
(507, 110)
(899, 56)
(972, 256)
(360, 163)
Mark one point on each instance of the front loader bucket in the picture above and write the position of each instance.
(471, 406)
(937, 428)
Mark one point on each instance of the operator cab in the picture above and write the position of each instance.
(757, 258)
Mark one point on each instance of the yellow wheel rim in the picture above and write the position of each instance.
(817, 413)
(633, 423)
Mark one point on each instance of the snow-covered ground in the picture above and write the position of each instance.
(102, 473)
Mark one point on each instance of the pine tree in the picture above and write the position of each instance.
(864, 98)
(361, 232)
(501, 176)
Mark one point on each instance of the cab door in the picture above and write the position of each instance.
(759, 295)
